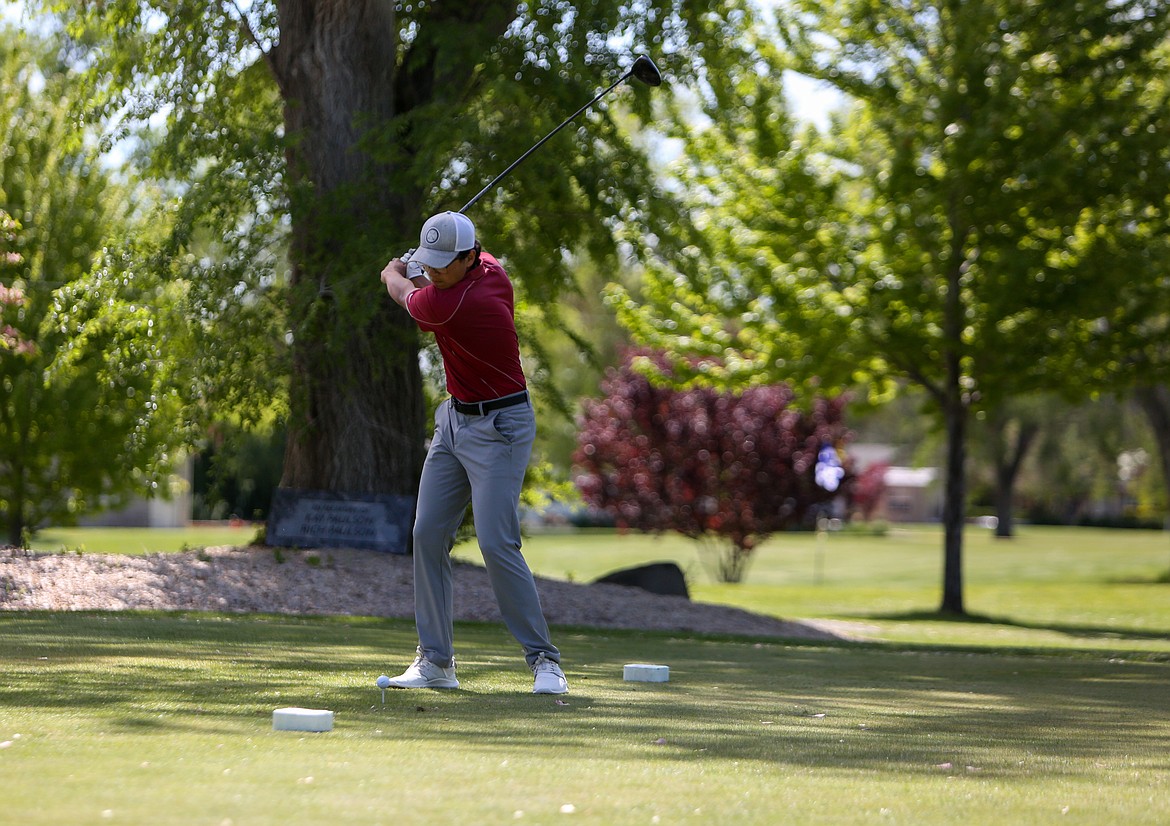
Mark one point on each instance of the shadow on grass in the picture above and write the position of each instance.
(820, 706)
(1070, 629)
(1159, 579)
(829, 707)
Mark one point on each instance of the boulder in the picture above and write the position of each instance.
(657, 578)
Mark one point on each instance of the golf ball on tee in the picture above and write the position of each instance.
(383, 682)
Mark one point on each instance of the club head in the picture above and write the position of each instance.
(645, 71)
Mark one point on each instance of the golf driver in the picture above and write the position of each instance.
(643, 70)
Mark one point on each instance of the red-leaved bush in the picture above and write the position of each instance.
(727, 469)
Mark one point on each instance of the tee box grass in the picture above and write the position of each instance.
(1047, 705)
(166, 719)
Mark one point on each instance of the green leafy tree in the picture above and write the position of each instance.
(577, 353)
(85, 418)
(346, 123)
(1131, 343)
(236, 471)
(1077, 472)
(1003, 165)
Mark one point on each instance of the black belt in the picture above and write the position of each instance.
(483, 408)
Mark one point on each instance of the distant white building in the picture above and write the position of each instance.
(912, 494)
(173, 511)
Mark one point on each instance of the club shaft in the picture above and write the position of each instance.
(540, 143)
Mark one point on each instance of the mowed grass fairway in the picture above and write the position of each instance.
(160, 719)
(1050, 705)
(1046, 587)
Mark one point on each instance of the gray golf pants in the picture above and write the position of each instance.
(479, 460)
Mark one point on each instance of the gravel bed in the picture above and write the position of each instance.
(341, 582)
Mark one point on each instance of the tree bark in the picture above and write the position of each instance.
(954, 404)
(954, 507)
(356, 422)
(1009, 451)
(356, 417)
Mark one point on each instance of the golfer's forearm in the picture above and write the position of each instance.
(398, 287)
(397, 284)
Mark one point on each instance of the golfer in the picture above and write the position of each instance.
(479, 452)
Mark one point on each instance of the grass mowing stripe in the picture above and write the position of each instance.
(160, 719)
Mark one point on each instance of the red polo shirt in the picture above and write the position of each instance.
(474, 325)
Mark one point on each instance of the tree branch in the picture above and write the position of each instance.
(269, 57)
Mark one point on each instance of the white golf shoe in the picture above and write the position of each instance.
(549, 677)
(423, 673)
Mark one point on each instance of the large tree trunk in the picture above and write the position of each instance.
(357, 413)
(356, 418)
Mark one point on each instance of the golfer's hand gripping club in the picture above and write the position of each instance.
(413, 268)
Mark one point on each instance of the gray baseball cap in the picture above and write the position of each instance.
(443, 237)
